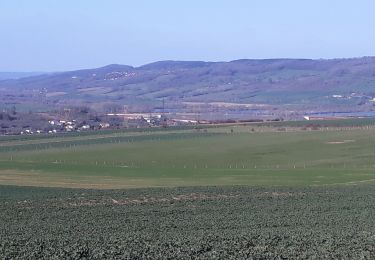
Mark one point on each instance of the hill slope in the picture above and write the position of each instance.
(298, 82)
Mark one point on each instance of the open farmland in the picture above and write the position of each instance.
(227, 155)
(188, 223)
(260, 191)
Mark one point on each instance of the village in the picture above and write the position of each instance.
(80, 120)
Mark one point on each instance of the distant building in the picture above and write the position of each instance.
(104, 125)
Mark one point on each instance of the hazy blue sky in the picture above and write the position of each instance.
(51, 35)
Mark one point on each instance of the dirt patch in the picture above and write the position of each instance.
(92, 89)
(55, 94)
(148, 200)
(175, 198)
(283, 194)
(341, 142)
(358, 182)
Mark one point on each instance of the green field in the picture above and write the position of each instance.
(234, 155)
(188, 223)
(259, 191)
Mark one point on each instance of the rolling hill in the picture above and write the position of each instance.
(335, 84)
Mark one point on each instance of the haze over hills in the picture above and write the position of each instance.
(18, 75)
(298, 84)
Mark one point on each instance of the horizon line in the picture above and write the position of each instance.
(176, 60)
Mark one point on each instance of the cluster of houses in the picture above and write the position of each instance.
(134, 121)
(73, 125)
(109, 121)
(30, 132)
(138, 120)
(354, 95)
(66, 126)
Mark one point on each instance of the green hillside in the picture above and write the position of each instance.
(336, 83)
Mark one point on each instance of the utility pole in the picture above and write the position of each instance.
(163, 106)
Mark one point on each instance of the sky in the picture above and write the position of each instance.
(55, 35)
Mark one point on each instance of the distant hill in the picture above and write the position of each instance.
(342, 83)
(17, 75)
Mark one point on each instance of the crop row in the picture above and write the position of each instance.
(185, 223)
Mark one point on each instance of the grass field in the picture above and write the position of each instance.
(233, 155)
(257, 191)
